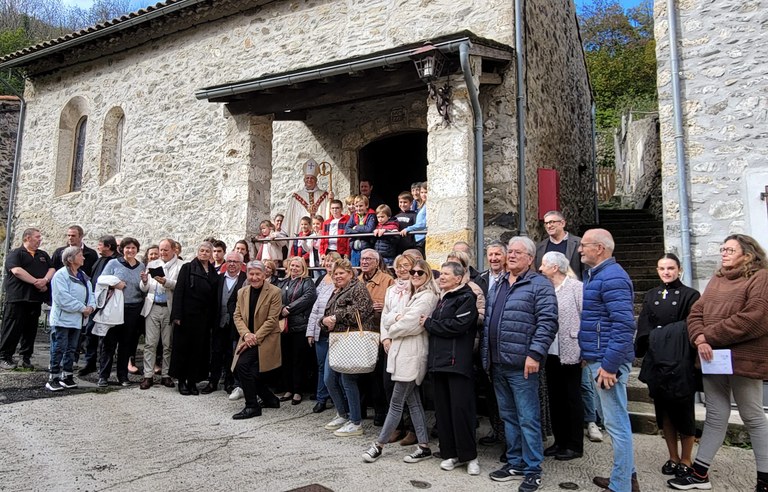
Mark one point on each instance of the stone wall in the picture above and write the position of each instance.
(9, 126)
(638, 161)
(723, 69)
(558, 120)
(187, 165)
(190, 169)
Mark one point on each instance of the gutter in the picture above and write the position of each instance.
(520, 63)
(682, 180)
(14, 180)
(473, 91)
(593, 115)
(402, 56)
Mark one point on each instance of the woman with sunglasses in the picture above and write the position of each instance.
(396, 298)
(406, 343)
(731, 314)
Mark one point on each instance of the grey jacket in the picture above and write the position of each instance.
(571, 252)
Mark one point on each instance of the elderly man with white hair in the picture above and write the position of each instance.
(520, 325)
(256, 314)
(606, 339)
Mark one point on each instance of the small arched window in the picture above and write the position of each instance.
(76, 181)
(112, 144)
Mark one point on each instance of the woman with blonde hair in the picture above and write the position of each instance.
(407, 344)
(299, 294)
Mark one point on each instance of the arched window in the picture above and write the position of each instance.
(76, 181)
(112, 144)
(70, 157)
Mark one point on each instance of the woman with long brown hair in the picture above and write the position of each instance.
(731, 315)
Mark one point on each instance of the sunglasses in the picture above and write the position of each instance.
(417, 273)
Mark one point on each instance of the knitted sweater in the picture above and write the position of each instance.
(732, 314)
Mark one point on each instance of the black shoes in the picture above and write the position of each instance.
(319, 407)
(146, 383)
(247, 413)
(208, 389)
(490, 439)
(271, 404)
(183, 390)
(192, 388)
(669, 468)
(552, 450)
(379, 418)
(167, 382)
(567, 455)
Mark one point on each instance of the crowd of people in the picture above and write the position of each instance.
(547, 334)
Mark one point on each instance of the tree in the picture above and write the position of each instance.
(621, 58)
(27, 22)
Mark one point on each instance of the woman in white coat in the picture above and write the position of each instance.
(406, 344)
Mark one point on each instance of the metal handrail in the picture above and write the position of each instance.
(254, 239)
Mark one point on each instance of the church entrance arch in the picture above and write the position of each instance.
(392, 163)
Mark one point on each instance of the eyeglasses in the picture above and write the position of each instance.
(582, 245)
(417, 273)
(234, 261)
(728, 251)
(552, 222)
(514, 252)
(366, 258)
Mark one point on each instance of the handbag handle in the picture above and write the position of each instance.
(359, 322)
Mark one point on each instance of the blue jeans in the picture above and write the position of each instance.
(616, 419)
(332, 380)
(519, 409)
(589, 395)
(63, 346)
(321, 352)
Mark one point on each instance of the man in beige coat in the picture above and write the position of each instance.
(258, 351)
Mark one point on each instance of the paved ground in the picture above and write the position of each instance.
(126, 439)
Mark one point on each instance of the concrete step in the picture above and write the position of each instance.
(642, 413)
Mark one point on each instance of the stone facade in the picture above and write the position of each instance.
(9, 127)
(190, 169)
(724, 68)
(638, 163)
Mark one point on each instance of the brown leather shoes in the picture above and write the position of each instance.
(409, 439)
(603, 482)
(146, 383)
(167, 382)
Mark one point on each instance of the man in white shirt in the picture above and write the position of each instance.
(157, 310)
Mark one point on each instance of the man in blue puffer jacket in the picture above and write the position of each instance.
(520, 325)
(606, 339)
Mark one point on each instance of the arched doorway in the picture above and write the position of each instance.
(394, 162)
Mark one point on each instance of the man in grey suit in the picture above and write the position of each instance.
(559, 240)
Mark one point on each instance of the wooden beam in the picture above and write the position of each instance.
(487, 78)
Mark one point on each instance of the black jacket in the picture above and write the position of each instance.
(99, 266)
(451, 331)
(231, 301)
(90, 255)
(298, 296)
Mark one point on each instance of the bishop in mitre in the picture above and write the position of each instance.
(308, 201)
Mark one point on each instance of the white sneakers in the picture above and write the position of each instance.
(236, 394)
(336, 423)
(593, 432)
(349, 429)
(473, 467)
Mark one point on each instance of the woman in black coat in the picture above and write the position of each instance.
(451, 329)
(299, 295)
(664, 305)
(193, 313)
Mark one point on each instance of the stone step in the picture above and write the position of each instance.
(623, 233)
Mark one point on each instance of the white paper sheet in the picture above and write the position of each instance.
(720, 364)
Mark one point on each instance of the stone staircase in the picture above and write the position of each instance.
(639, 238)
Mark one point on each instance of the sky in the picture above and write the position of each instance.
(137, 4)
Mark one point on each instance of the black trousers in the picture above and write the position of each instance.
(221, 356)
(251, 381)
(565, 404)
(89, 345)
(295, 354)
(456, 415)
(118, 339)
(19, 328)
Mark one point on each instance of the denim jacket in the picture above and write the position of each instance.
(70, 296)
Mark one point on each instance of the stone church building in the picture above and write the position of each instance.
(192, 118)
(722, 54)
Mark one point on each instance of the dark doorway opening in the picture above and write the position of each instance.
(392, 163)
